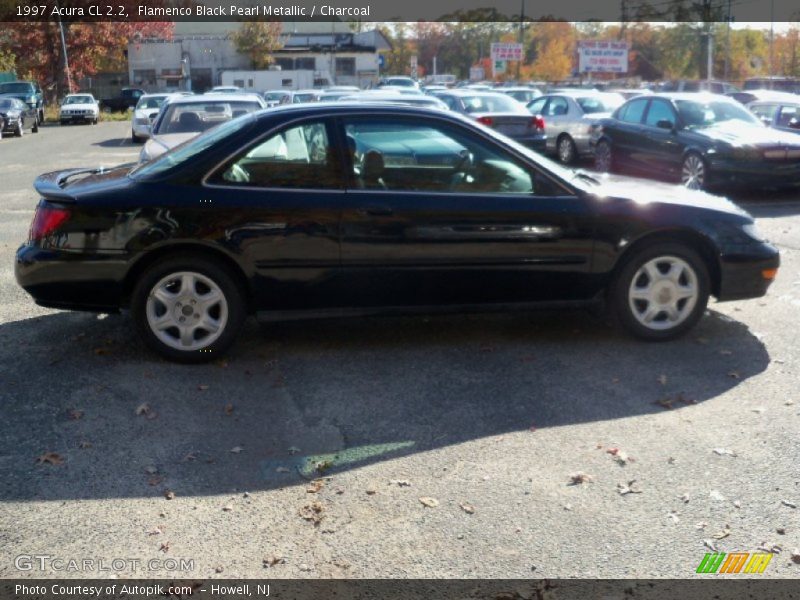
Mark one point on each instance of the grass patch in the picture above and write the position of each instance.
(51, 115)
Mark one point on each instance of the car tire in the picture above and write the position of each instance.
(660, 292)
(694, 172)
(135, 138)
(35, 128)
(19, 130)
(604, 157)
(180, 287)
(566, 150)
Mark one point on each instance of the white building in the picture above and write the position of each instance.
(194, 60)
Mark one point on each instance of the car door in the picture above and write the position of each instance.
(556, 117)
(765, 111)
(282, 195)
(436, 213)
(662, 151)
(627, 135)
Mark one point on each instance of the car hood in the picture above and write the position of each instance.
(157, 145)
(79, 106)
(741, 134)
(647, 192)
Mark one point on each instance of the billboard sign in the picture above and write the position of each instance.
(506, 51)
(600, 56)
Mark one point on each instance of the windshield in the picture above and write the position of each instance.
(272, 96)
(6, 103)
(305, 97)
(698, 114)
(189, 149)
(496, 103)
(600, 104)
(16, 88)
(523, 96)
(78, 100)
(150, 102)
(194, 117)
(400, 82)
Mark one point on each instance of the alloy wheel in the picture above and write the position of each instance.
(566, 150)
(663, 293)
(187, 311)
(693, 173)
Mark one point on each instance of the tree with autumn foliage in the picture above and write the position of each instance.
(91, 47)
(258, 40)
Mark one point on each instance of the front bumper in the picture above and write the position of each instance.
(728, 171)
(63, 280)
(84, 118)
(742, 271)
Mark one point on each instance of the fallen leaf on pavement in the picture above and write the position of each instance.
(467, 508)
(674, 516)
(84, 444)
(780, 531)
(189, 457)
(371, 491)
(789, 504)
(151, 470)
(313, 512)
(315, 486)
(169, 494)
(155, 531)
(227, 508)
(662, 379)
(734, 375)
(579, 478)
(710, 545)
(164, 547)
(50, 458)
(102, 351)
(282, 470)
(715, 495)
(236, 449)
(629, 488)
(154, 480)
(229, 409)
(294, 450)
(722, 534)
(400, 482)
(665, 402)
(429, 502)
(143, 408)
(770, 547)
(218, 569)
(796, 556)
(701, 525)
(724, 452)
(685, 498)
(272, 560)
(74, 414)
(725, 352)
(202, 387)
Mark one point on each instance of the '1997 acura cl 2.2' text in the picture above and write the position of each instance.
(336, 209)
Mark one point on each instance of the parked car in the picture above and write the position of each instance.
(27, 91)
(275, 97)
(225, 89)
(700, 140)
(395, 98)
(127, 99)
(758, 95)
(342, 88)
(16, 116)
(299, 225)
(629, 93)
(79, 108)
(499, 112)
(520, 94)
(182, 118)
(781, 84)
(569, 118)
(779, 112)
(694, 85)
(398, 81)
(301, 96)
(327, 96)
(144, 114)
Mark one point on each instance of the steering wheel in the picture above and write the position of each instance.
(464, 162)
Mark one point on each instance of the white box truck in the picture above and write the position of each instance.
(276, 79)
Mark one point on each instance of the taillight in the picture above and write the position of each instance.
(537, 122)
(486, 121)
(47, 220)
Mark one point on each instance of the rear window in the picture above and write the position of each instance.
(193, 117)
(599, 104)
(491, 104)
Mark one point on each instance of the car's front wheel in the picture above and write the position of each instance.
(19, 128)
(661, 292)
(566, 150)
(188, 309)
(694, 174)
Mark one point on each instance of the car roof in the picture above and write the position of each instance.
(515, 88)
(771, 96)
(696, 96)
(472, 92)
(215, 98)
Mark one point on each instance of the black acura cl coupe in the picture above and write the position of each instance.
(345, 209)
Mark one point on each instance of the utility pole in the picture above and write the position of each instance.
(521, 37)
(728, 20)
(64, 50)
(771, 34)
(710, 57)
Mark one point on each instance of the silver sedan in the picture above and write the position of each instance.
(568, 118)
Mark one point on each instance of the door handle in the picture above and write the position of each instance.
(377, 210)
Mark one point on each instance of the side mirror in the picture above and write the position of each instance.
(665, 124)
(794, 123)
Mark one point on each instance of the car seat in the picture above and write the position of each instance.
(372, 171)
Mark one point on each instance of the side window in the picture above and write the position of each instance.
(765, 112)
(632, 111)
(659, 111)
(537, 105)
(300, 156)
(788, 115)
(450, 101)
(414, 156)
(556, 107)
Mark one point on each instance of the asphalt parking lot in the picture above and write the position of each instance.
(507, 446)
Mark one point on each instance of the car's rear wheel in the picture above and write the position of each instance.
(35, 128)
(188, 309)
(694, 174)
(661, 292)
(603, 157)
(135, 138)
(19, 128)
(566, 149)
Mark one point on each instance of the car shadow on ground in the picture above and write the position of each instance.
(124, 142)
(336, 394)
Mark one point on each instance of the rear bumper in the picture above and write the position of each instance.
(534, 142)
(741, 272)
(62, 280)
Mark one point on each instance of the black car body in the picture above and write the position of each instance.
(127, 98)
(781, 113)
(29, 92)
(336, 209)
(16, 116)
(700, 140)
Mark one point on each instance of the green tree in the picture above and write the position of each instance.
(258, 40)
